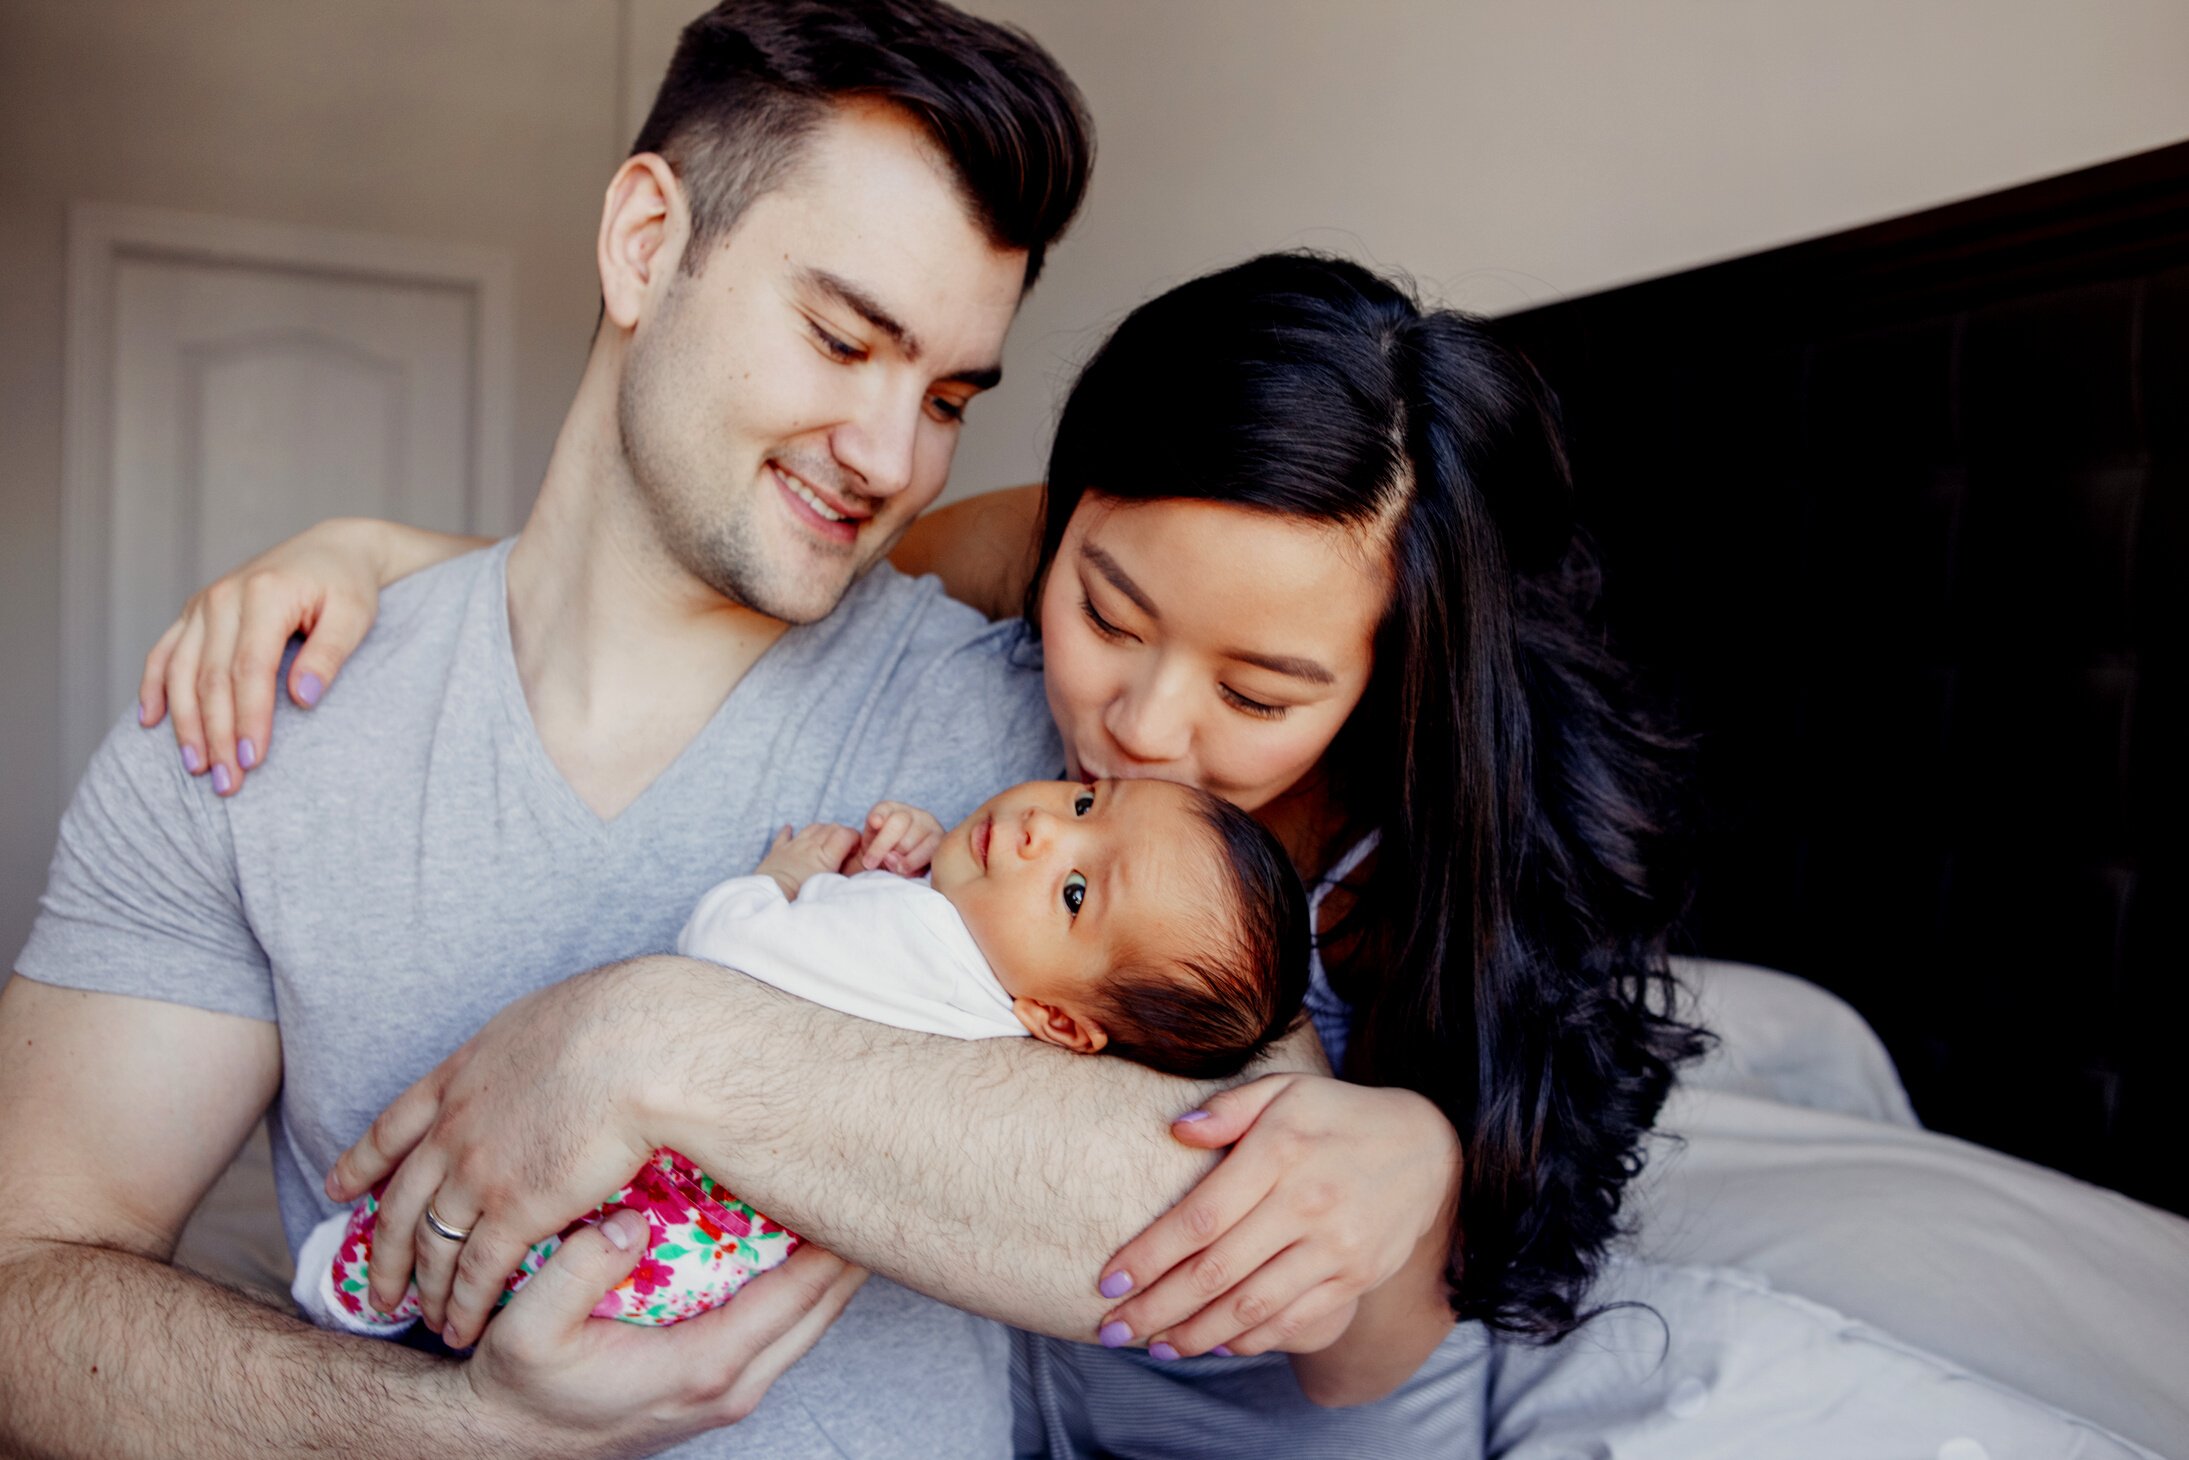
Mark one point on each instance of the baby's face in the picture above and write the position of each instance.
(1058, 881)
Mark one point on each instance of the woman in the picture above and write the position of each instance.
(1441, 749)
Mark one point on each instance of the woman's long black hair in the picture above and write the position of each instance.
(1505, 955)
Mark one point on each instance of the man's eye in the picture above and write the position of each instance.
(1083, 803)
(838, 348)
(1075, 893)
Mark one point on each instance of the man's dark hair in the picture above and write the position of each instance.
(1205, 1014)
(752, 79)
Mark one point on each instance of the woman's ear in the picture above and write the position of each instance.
(1052, 1024)
(644, 227)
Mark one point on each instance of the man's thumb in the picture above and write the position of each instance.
(1223, 1118)
(590, 1262)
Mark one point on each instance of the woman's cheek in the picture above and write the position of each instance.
(1256, 763)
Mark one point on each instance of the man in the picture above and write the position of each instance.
(543, 754)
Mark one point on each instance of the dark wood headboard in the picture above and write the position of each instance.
(1899, 519)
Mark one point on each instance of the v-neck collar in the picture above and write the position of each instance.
(524, 733)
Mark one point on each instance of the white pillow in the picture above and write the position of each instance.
(2076, 1295)
(1726, 1368)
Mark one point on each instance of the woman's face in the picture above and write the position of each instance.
(1206, 643)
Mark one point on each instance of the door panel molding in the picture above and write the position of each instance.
(102, 240)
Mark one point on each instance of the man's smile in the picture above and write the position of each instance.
(827, 516)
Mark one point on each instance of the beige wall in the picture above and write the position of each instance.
(1513, 151)
(1505, 151)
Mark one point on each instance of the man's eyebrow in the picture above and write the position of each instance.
(874, 312)
(1108, 568)
(1297, 668)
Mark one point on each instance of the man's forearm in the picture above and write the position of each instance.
(996, 1174)
(109, 1355)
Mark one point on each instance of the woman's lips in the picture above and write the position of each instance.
(980, 840)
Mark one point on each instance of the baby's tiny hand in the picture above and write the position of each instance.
(795, 856)
(900, 839)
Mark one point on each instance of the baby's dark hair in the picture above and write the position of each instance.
(1207, 1011)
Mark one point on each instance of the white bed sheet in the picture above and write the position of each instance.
(1790, 1154)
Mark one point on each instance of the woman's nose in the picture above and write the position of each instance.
(1148, 724)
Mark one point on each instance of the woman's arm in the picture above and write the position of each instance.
(214, 668)
(1394, 1330)
(982, 548)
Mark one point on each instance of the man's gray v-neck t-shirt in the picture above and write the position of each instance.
(409, 860)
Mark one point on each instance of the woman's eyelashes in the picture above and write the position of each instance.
(1232, 697)
(1252, 707)
(1075, 893)
(1098, 623)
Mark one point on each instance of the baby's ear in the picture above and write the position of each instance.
(1059, 1026)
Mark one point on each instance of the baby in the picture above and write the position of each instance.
(1139, 918)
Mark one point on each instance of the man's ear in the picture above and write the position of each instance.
(644, 226)
(1059, 1026)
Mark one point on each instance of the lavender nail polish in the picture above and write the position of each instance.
(246, 753)
(1116, 1285)
(144, 713)
(1115, 1334)
(1221, 1351)
(1190, 1117)
(309, 687)
(222, 780)
(1162, 1351)
(190, 760)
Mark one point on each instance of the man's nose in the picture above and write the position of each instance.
(879, 441)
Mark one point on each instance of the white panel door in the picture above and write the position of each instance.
(250, 402)
(234, 383)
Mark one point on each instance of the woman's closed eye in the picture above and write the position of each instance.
(1075, 892)
(1256, 708)
(1100, 624)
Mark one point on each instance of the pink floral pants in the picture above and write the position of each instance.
(702, 1245)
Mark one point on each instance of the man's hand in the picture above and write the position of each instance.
(899, 838)
(795, 856)
(514, 1136)
(543, 1363)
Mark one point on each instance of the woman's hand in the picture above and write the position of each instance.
(214, 668)
(510, 1139)
(1327, 1193)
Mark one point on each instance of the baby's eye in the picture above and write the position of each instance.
(1075, 892)
(1083, 803)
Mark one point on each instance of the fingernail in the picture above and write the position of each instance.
(1221, 1351)
(191, 761)
(1116, 1285)
(246, 753)
(1161, 1350)
(1115, 1334)
(309, 687)
(1190, 1117)
(144, 713)
(332, 1188)
(623, 1229)
(222, 780)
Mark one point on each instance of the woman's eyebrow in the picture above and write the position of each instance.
(1108, 568)
(1306, 669)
